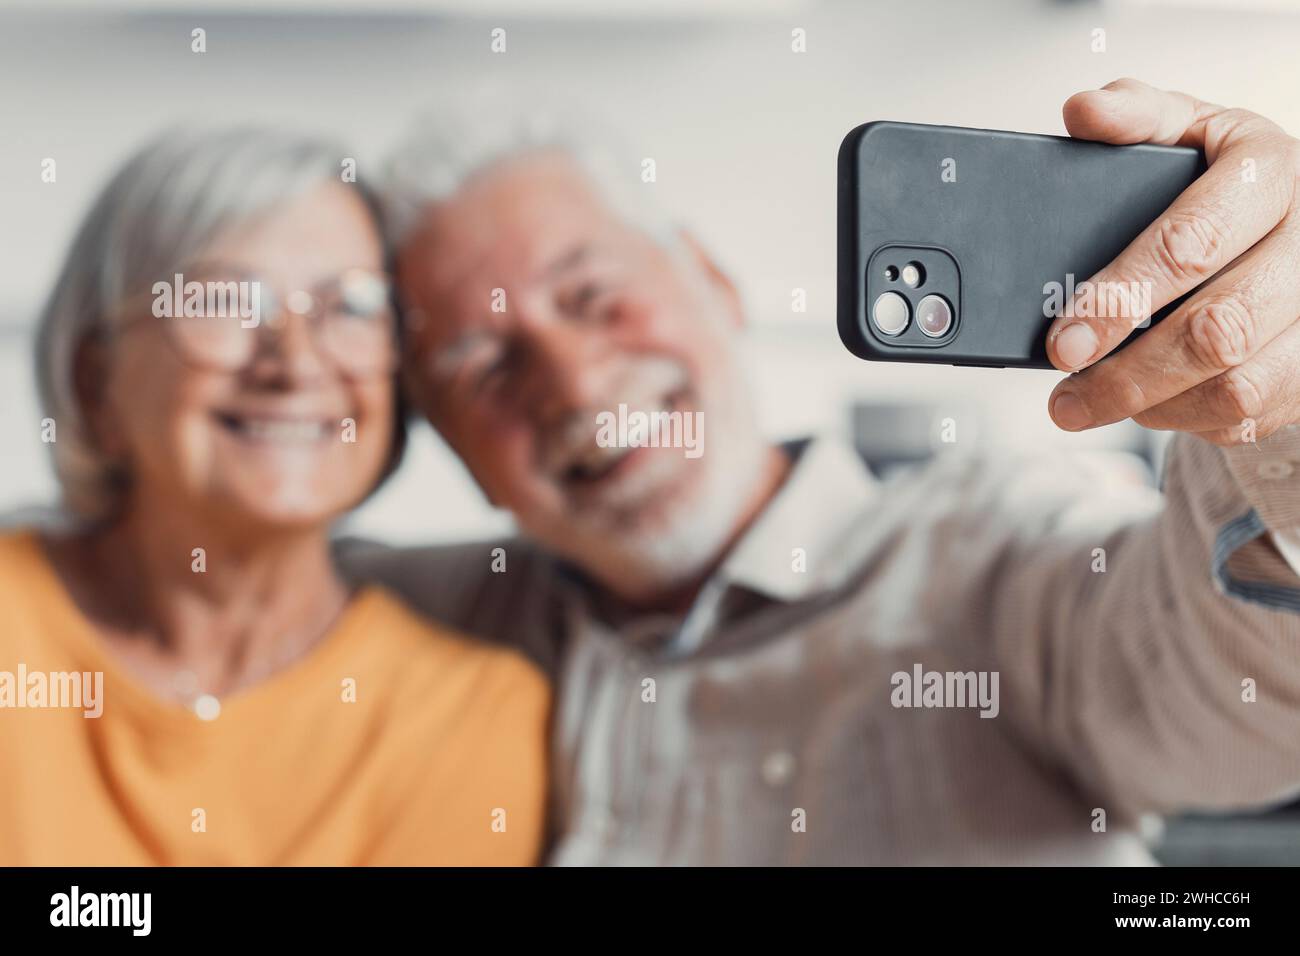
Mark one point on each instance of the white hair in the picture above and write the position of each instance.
(450, 143)
(162, 207)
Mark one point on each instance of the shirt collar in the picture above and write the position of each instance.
(801, 527)
(828, 485)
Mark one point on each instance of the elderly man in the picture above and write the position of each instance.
(766, 655)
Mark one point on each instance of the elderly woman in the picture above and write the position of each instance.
(199, 685)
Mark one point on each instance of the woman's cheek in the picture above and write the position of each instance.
(150, 417)
(370, 432)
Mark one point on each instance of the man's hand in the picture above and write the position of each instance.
(1230, 355)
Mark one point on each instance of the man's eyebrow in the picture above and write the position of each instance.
(448, 359)
(574, 257)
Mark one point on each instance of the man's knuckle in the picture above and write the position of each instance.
(1219, 334)
(1279, 167)
(1124, 397)
(1291, 152)
(1238, 396)
(1243, 122)
(1150, 419)
(1188, 247)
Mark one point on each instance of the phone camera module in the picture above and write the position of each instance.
(933, 316)
(890, 313)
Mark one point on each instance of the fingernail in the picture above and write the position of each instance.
(1076, 344)
(1069, 412)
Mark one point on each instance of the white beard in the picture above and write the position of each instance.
(690, 535)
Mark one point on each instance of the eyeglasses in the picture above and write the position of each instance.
(218, 322)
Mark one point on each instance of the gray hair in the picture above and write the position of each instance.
(162, 207)
(450, 143)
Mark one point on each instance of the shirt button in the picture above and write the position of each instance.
(778, 767)
(1275, 470)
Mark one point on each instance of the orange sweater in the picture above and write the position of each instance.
(439, 758)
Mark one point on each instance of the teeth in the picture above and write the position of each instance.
(280, 431)
(597, 457)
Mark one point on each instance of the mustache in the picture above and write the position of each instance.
(568, 439)
(572, 436)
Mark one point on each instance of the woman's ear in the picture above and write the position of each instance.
(90, 385)
(720, 281)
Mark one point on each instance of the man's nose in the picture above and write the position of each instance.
(567, 370)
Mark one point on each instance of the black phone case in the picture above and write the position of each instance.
(1024, 210)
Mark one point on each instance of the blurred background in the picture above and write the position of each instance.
(743, 130)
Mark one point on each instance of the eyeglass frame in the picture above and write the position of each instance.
(273, 320)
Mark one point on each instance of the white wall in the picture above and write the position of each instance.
(744, 133)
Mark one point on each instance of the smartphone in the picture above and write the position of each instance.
(960, 246)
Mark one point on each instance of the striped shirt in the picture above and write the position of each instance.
(1006, 660)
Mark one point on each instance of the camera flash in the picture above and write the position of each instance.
(912, 275)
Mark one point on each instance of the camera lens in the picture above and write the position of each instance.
(934, 316)
(890, 313)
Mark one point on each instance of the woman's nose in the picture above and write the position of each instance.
(287, 346)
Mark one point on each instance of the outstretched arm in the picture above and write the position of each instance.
(1173, 680)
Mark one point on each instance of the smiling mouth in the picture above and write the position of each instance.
(595, 465)
(274, 431)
